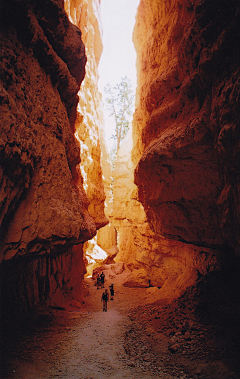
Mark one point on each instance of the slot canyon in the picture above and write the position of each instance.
(165, 220)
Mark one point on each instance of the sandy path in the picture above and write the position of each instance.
(86, 344)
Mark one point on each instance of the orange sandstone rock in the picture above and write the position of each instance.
(39, 150)
(89, 123)
(185, 127)
(153, 260)
(95, 160)
(44, 209)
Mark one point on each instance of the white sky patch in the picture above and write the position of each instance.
(119, 57)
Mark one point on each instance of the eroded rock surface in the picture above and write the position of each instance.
(185, 150)
(186, 132)
(154, 260)
(38, 148)
(89, 124)
(44, 207)
(95, 160)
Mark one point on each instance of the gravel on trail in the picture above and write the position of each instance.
(81, 344)
(132, 340)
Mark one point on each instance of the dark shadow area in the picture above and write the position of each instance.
(201, 328)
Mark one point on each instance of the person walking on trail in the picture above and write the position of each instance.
(98, 281)
(104, 299)
(111, 291)
(102, 277)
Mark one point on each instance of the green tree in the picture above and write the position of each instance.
(119, 102)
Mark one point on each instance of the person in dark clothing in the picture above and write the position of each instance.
(102, 277)
(111, 291)
(98, 281)
(104, 299)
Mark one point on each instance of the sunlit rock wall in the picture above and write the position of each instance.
(89, 124)
(152, 259)
(128, 214)
(44, 208)
(95, 163)
(186, 127)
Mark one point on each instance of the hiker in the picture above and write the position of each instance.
(98, 281)
(102, 277)
(104, 299)
(111, 291)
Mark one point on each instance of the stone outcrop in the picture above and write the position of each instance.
(186, 132)
(44, 210)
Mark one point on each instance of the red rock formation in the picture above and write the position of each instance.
(48, 280)
(187, 179)
(89, 123)
(44, 208)
(95, 160)
(186, 131)
(152, 259)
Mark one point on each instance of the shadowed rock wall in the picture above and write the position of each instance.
(44, 208)
(152, 259)
(186, 127)
(49, 280)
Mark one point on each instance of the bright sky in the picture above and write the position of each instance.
(118, 58)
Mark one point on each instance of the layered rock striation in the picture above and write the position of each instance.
(186, 126)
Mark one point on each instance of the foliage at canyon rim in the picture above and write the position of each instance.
(119, 102)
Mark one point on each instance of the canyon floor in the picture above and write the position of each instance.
(132, 340)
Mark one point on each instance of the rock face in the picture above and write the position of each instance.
(185, 146)
(95, 161)
(153, 260)
(128, 214)
(53, 281)
(186, 127)
(44, 208)
(89, 122)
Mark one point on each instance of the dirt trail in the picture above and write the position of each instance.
(132, 340)
(85, 344)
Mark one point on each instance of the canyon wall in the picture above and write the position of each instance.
(45, 212)
(89, 124)
(152, 259)
(186, 126)
(95, 160)
(185, 146)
